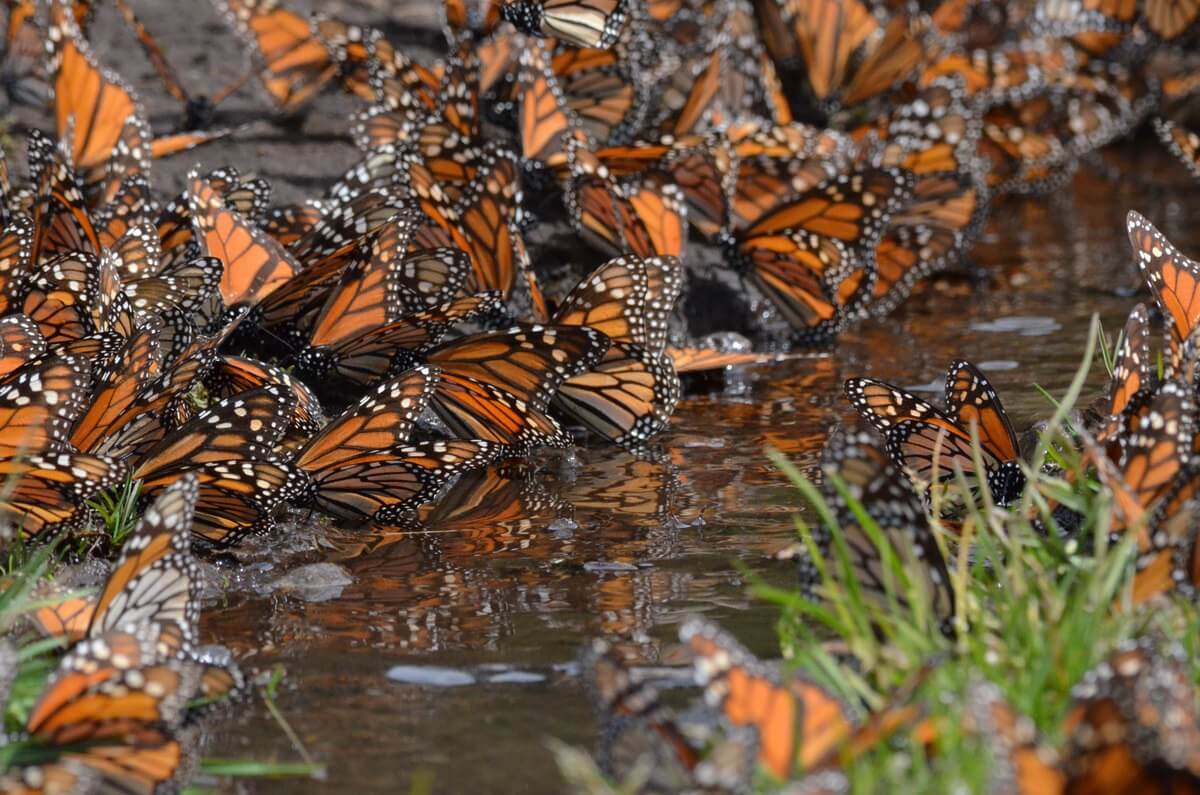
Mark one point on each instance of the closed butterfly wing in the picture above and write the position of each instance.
(529, 362)
(247, 426)
(886, 495)
(49, 492)
(236, 498)
(627, 398)
(1173, 278)
(797, 722)
(971, 400)
(156, 579)
(93, 109)
(16, 262)
(474, 409)
(583, 23)
(379, 421)
(39, 402)
(255, 264)
(387, 486)
(20, 341)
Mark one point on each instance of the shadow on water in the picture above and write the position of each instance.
(516, 568)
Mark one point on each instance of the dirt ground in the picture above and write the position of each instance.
(299, 156)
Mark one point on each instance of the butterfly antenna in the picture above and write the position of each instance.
(231, 88)
(154, 53)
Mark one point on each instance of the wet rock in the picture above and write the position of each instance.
(430, 676)
(604, 566)
(317, 582)
(516, 678)
(1026, 326)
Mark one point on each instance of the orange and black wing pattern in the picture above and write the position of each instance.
(294, 64)
(254, 263)
(1173, 278)
(799, 724)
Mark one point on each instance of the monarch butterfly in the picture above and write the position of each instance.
(1155, 452)
(1169, 20)
(753, 87)
(118, 673)
(610, 94)
(233, 375)
(920, 436)
(480, 394)
(809, 254)
(229, 447)
(1063, 19)
(357, 466)
(289, 223)
(445, 139)
(389, 78)
(377, 282)
(889, 499)
(529, 362)
(1022, 147)
(237, 498)
(155, 581)
(20, 341)
(136, 385)
(1133, 372)
(631, 393)
(1010, 73)
(936, 131)
(644, 215)
(798, 723)
(483, 223)
(99, 306)
(1173, 278)
(583, 23)
(703, 167)
(95, 111)
(946, 212)
(343, 226)
(294, 65)
(198, 111)
(637, 728)
(779, 162)
(687, 102)
(250, 197)
(1132, 725)
(254, 263)
(16, 261)
(848, 63)
(48, 492)
(1184, 144)
(39, 402)
(61, 218)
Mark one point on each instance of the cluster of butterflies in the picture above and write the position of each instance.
(117, 314)
(1131, 727)
(654, 121)
(1139, 443)
(660, 121)
(114, 715)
